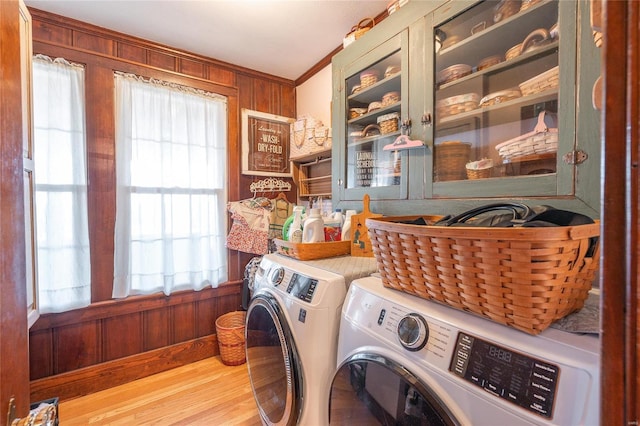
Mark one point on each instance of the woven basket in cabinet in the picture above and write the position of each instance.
(548, 80)
(540, 140)
(451, 158)
(524, 278)
(231, 340)
(369, 78)
(479, 173)
(457, 104)
(388, 123)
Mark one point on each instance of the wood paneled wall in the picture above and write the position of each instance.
(68, 349)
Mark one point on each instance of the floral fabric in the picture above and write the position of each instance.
(249, 231)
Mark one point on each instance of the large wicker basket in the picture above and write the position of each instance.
(524, 278)
(231, 340)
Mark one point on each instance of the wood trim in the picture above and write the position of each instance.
(84, 56)
(85, 28)
(324, 62)
(632, 321)
(113, 373)
(113, 330)
(620, 240)
(110, 308)
(13, 302)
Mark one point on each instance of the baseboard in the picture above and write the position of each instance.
(102, 376)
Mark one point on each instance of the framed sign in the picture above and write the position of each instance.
(265, 144)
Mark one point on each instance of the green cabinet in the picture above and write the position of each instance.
(497, 91)
(374, 92)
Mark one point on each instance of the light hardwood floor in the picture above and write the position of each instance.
(206, 392)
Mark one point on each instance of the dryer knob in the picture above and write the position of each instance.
(276, 276)
(413, 332)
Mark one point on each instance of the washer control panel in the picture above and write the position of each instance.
(297, 285)
(302, 287)
(520, 379)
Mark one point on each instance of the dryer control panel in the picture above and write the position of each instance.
(520, 379)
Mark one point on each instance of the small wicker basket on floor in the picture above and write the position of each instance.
(231, 341)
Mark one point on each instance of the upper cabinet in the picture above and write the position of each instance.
(498, 92)
(373, 93)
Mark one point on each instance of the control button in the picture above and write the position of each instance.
(492, 388)
(302, 315)
(276, 276)
(413, 332)
(383, 312)
(476, 379)
(512, 396)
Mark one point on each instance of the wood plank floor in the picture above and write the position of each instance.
(206, 392)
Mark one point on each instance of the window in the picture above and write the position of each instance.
(64, 270)
(171, 154)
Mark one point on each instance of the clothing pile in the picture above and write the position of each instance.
(256, 221)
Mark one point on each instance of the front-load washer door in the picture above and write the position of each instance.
(272, 362)
(370, 389)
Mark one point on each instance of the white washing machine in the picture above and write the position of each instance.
(405, 360)
(292, 334)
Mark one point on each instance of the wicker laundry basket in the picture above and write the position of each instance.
(524, 278)
(231, 341)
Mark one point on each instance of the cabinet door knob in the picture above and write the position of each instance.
(426, 119)
(406, 126)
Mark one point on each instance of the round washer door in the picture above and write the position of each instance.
(272, 362)
(371, 389)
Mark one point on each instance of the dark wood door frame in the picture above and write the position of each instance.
(14, 359)
(620, 243)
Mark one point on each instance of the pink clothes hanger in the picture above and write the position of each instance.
(403, 142)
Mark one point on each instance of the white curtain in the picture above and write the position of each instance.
(64, 271)
(171, 154)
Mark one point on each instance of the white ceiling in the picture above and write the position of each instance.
(284, 38)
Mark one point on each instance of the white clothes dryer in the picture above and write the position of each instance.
(403, 360)
(292, 334)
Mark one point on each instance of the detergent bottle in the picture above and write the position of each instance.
(294, 233)
(333, 226)
(337, 216)
(313, 228)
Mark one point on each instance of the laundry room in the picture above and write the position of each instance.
(397, 212)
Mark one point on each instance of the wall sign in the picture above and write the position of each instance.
(265, 144)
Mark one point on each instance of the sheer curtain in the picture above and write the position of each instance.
(64, 269)
(171, 154)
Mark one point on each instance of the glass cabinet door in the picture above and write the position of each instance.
(375, 99)
(497, 97)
